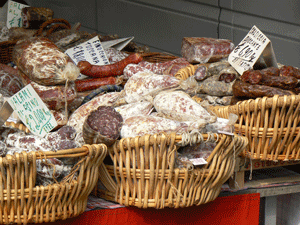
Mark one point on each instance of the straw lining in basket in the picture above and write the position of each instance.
(144, 173)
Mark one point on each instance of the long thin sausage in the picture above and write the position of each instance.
(91, 84)
(115, 69)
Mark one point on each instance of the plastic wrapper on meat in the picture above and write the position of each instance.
(132, 69)
(142, 125)
(55, 97)
(222, 125)
(180, 106)
(134, 109)
(3, 149)
(216, 67)
(212, 86)
(143, 84)
(187, 154)
(61, 117)
(42, 61)
(216, 100)
(10, 83)
(115, 55)
(228, 75)
(203, 49)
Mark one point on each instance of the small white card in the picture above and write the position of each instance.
(14, 17)
(248, 51)
(91, 51)
(32, 111)
(198, 161)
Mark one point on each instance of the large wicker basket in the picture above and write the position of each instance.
(144, 174)
(22, 202)
(271, 125)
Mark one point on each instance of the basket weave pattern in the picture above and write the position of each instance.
(271, 125)
(144, 174)
(22, 202)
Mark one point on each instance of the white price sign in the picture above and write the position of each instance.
(91, 51)
(198, 161)
(248, 51)
(14, 16)
(32, 111)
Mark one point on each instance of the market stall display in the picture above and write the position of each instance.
(145, 129)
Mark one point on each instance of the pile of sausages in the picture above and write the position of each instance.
(267, 82)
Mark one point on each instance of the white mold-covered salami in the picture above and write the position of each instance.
(132, 69)
(29, 141)
(42, 61)
(180, 106)
(142, 84)
(142, 125)
(77, 118)
(115, 55)
(134, 109)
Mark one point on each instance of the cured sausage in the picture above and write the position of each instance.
(94, 83)
(115, 69)
(243, 89)
(259, 77)
(42, 61)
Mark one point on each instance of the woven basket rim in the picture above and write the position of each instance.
(252, 105)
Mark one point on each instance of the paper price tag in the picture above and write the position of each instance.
(32, 111)
(248, 51)
(198, 161)
(91, 51)
(14, 17)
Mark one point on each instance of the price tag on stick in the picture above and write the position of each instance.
(247, 52)
(32, 111)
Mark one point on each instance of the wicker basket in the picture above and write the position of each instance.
(23, 202)
(6, 49)
(271, 125)
(144, 174)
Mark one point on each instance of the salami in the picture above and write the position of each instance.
(143, 84)
(141, 125)
(9, 83)
(42, 61)
(55, 97)
(134, 109)
(102, 125)
(180, 106)
(203, 50)
(78, 117)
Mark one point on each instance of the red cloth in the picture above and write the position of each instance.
(233, 210)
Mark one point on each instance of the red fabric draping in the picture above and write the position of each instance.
(229, 210)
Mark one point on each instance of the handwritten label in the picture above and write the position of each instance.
(14, 14)
(248, 51)
(198, 161)
(32, 111)
(91, 51)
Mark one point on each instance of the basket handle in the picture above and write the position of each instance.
(62, 24)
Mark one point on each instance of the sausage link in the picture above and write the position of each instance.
(115, 69)
(91, 84)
